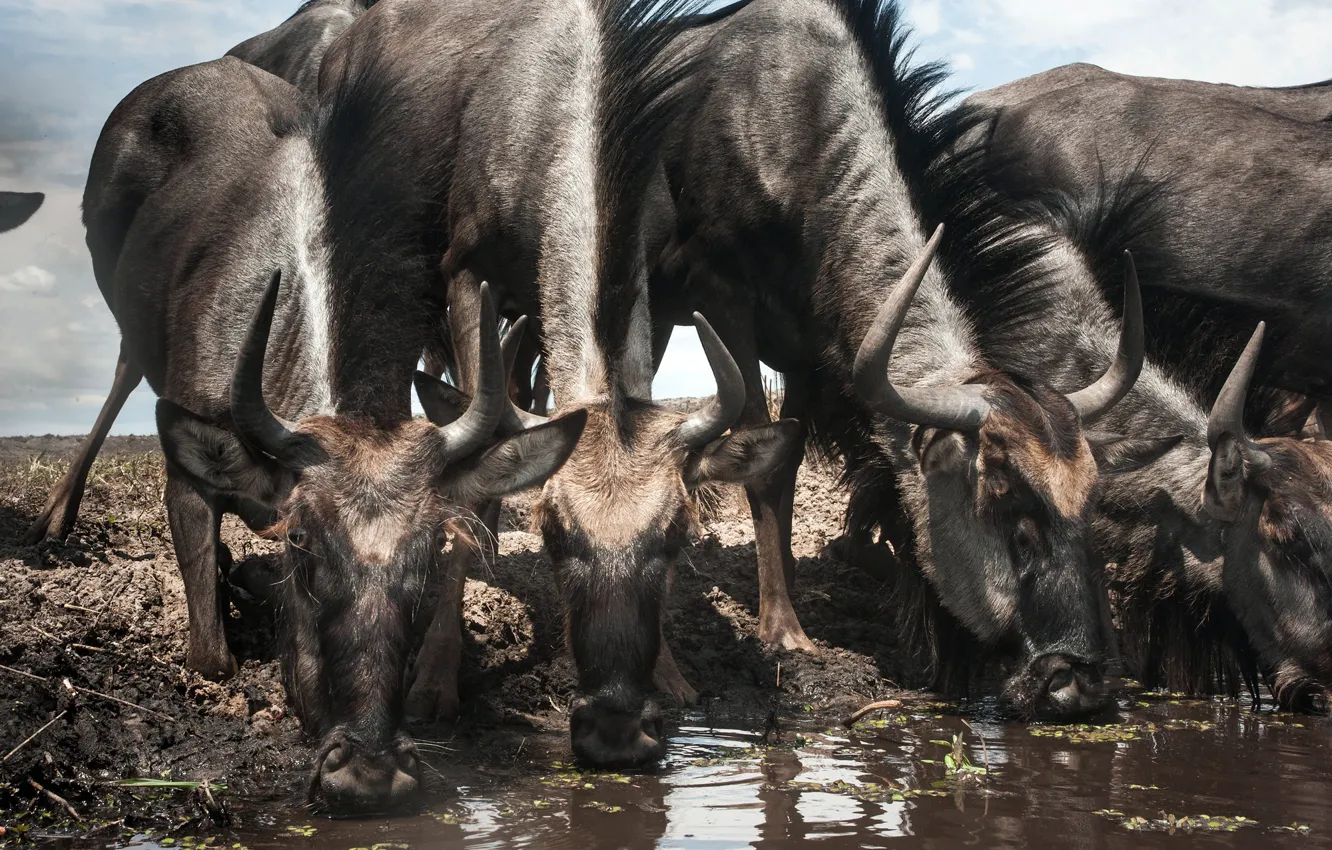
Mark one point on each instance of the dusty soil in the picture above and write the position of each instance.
(92, 636)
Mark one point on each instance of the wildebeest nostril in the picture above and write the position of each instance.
(337, 757)
(1060, 679)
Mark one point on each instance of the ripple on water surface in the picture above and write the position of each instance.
(1215, 771)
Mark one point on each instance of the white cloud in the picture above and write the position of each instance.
(31, 280)
(77, 58)
(926, 16)
(1245, 42)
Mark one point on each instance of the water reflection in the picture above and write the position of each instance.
(1225, 775)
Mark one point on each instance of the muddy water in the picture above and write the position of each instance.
(1163, 771)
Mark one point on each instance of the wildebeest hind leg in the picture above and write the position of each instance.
(771, 500)
(195, 526)
(434, 678)
(62, 506)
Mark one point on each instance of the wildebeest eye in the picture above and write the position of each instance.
(297, 537)
(441, 540)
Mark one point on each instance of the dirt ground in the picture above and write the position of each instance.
(92, 636)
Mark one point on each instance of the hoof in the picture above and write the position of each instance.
(429, 699)
(681, 691)
(216, 669)
(790, 637)
(50, 524)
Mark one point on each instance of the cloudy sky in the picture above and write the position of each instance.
(66, 63)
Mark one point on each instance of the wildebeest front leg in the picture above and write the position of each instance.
(195, 524)
(771, 501)
(62, 506)
(666, 676)
(434, 678)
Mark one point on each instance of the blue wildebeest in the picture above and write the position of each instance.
(1246, 232)
(1222, 547)
(516, 140)
(18, 207)
(293, 51)
(805, 192)
(307, 436)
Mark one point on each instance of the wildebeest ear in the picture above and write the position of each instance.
(1115, 453)
(442, 403)
(524, 460)
(941, 450)
(1223, 496)
(744, 456)
(18, 207)
(214, 458)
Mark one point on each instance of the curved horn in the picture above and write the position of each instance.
(477, 424)
(513, 339)
(255, 423)
(1227, 416)
(516, 419)
(711, 422)
(960, 408)
(1095, 401)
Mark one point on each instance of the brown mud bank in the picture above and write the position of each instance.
(92, 637)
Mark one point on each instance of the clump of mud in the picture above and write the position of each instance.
(93, 633)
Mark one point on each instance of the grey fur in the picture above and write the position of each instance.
(1246, 228)
(793, 218)
(204, 182)
(294, 49)
(1207, 604)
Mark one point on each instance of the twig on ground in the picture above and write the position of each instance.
(91, 693)
(72, 607)
(985, 749)
(28, 739)
(879, 705)
(43, 633)
(23, 674)
(56, 798)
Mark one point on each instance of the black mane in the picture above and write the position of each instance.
(1124, 214)
(983, 246)
(637, 102)
(1173, 639)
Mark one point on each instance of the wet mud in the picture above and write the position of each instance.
(147, 754)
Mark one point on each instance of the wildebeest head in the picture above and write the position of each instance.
(1002, 503)
(613, 520)
(18, 207)
(364, 509)
(1275, 497)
